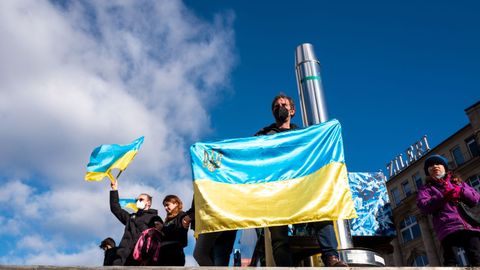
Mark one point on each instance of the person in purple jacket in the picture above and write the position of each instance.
(440, 197)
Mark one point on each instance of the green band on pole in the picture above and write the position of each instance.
(311, 78)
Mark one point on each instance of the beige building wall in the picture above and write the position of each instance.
(416, 239)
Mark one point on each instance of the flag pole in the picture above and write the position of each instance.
(118, 175)
(113, 179)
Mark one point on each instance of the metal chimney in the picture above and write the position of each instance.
(314, 111)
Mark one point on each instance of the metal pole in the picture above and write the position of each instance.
(312, 100)
(314, 111)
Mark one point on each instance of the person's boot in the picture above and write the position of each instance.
(334, 261)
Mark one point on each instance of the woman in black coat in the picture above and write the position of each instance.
(175, 236)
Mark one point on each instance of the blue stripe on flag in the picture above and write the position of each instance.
(271, 158)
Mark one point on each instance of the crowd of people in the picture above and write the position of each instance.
(150, 240)
(147, 238)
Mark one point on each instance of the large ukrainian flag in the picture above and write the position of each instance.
(286, 178)
(107, 157)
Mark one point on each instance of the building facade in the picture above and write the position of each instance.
(416, 243)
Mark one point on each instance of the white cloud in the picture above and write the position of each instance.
(75, 75)
(15, 193)
(64, 100)
(35, 243)
(15, 197)
(9, 260)
(89, 255)
(10, 226)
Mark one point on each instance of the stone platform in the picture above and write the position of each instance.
(41, 267)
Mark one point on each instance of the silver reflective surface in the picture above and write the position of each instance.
(314, 110)
(361, 257)
(309, 82)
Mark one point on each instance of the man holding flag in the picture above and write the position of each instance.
(287, 178)
(103, 160)
(134, 223)
(283, 110)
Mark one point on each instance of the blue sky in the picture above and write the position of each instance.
(391, 72)
(75, 75)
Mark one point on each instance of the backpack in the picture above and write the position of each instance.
(147, 248)
(470, 214)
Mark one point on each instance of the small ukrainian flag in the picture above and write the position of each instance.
(111, 156)
(128, 203)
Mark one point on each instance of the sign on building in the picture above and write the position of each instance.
(412, 153)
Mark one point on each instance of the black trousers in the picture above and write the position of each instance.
(325, 235)
(468, 240)
(280, 247)
(214, 249)
(171, 255)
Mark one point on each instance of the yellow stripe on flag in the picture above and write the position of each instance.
(121, 164)
(322, 195)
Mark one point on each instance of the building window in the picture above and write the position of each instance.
(458, 156)
(396, 196)
(421, 260)
(417, 179)
(472, 146)
(474, 181)
(406, 188)
(409, 229)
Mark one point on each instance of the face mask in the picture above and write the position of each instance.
(439, 176)
(140, 205)
(281, 114)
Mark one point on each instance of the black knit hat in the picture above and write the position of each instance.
(435, 160)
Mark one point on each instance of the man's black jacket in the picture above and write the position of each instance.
(134, 223)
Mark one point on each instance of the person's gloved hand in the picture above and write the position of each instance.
(186, 221)
(452, 193)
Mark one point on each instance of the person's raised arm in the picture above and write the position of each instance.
(115, 207)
